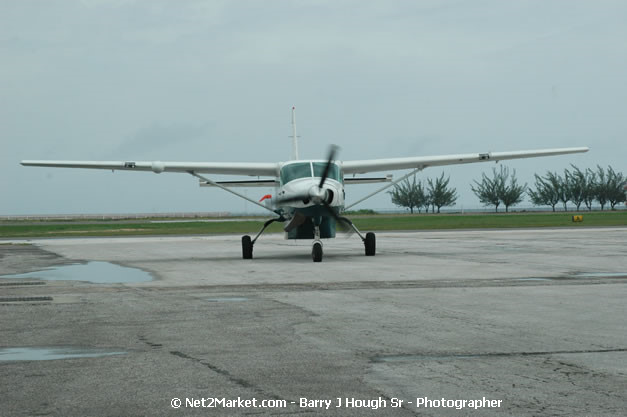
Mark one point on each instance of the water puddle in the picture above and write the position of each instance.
(96, 272)
(48, 354)
(226, 299)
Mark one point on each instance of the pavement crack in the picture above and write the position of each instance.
(236, 380)
(440, 356)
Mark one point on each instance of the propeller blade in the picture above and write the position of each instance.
(342, 223)
(296, 221)
(330, 159)
(292, 199)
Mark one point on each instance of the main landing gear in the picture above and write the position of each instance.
(370, 243)
(247, 242)
(370, 240)
(247, 247)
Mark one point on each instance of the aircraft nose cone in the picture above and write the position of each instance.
(317, 194)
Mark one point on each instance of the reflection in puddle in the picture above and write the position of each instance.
(227, 299)
(48, 354)
(97, 272)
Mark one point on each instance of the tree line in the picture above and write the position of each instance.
(577, 186)
(419, 195)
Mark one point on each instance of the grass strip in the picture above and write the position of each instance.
(365, 223)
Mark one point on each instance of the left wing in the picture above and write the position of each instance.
(227, 168)
(390, 164)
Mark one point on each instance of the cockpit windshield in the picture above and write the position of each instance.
(334, 170)
(292, 172)
(298, 170)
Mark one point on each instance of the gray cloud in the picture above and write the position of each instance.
(214, 81)
(157, 139)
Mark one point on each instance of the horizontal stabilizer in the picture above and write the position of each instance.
(367, 180)
(254, 183)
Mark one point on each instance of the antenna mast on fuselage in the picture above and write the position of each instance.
(294, 137)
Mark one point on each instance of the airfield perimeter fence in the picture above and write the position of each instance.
(488, 210)
(226, 214)
(116, 216)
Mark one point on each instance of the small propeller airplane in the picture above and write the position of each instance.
(309, 194)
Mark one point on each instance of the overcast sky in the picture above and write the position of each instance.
(215, 81)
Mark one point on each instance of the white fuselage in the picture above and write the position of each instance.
(302, 178)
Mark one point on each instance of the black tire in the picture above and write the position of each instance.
(316, 252)
(247, 247)
(371, 244)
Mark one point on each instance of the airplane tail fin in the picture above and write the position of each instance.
(294, 137)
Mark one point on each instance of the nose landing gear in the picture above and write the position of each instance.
(316, 248)
(316, 251)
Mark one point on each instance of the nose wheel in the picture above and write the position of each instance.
(316, 251)
(316, 248)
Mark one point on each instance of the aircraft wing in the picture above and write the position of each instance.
(390, 164)
(228, 168)
(272, 169)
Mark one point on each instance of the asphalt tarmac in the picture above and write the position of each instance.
(450, 323)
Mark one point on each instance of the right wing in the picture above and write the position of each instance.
(391, 164)
(228, 168)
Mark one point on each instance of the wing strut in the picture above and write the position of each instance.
(215, 184)
(420, 168)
